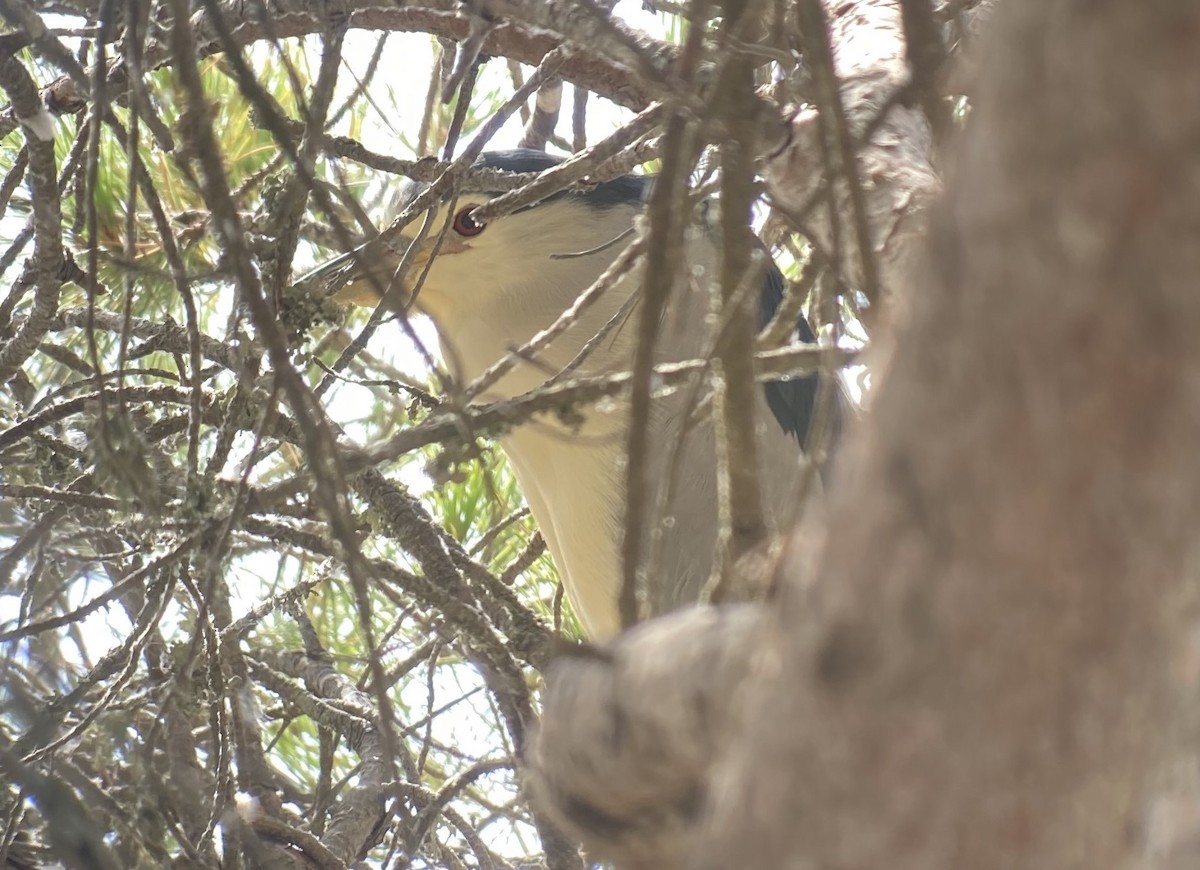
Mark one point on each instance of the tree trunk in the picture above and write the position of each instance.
(999, 663)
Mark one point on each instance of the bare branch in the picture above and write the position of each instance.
(44, 270)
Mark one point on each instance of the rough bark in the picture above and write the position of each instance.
(882, 200)
(628, 735)
(998, 665)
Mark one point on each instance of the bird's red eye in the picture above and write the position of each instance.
(465, 225)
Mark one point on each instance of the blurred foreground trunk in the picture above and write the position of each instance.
(1000, 664)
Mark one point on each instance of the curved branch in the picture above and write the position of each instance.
(44, 269)
(602, 63)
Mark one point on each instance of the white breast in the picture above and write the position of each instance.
(573, 486)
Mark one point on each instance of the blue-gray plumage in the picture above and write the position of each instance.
(492, 287)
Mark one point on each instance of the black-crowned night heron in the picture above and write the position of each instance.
(492, 287)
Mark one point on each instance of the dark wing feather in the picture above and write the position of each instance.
(791, 401)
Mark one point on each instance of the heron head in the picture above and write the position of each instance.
(520, 269)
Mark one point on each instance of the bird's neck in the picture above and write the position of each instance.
(568, 469)
(475, 336)
(474, 344)
(572, 471)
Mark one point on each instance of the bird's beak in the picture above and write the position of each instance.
(371, 272)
